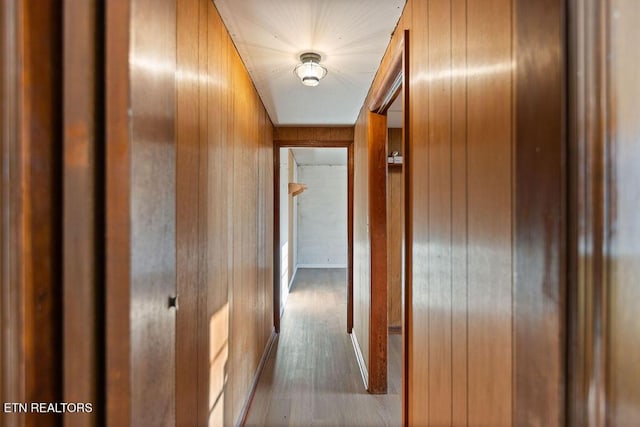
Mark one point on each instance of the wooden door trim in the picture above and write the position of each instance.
(277, 145)
(385, 88)
(377, 177)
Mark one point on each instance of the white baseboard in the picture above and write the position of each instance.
(242, 417)
(361, 364)
(321, 266)
(293, 276)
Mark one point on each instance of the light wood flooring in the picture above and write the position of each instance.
(311, 377)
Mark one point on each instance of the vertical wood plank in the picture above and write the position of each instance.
(202, 362)
(539, 214)
(459, 212)
(83, 209)
(188, 196)
(419, 128)
(439, 205)
(153, 207)
(117, 216)
(489, 187)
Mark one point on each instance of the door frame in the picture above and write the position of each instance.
(310, 143)
(393, 81)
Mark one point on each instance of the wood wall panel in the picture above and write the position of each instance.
(539, 214)
(489, 202)
(439, 205)
(117, 215)
(83, 210)
(395, 230)
(459, 215)
(471, 225)
(224, 222)
(361, 243)
(188, 179)
(153, 209)
(31, 251)
(418, 370)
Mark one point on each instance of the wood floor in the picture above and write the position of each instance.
(311, 377)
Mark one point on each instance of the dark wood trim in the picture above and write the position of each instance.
(277, 145)
(242, 417)
(382, 90)
(589, 145)
(117, 199)
(377, 162)
(539, 214)
(31, 203)
(83, 207)
(12, 375)
(407, 296)
(312, 144)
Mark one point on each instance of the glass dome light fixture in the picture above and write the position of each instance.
(309, 70)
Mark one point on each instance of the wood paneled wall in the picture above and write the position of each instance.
(31, 208)
(224, 222)
(395, 230)
(604, 151)
(485, 338)
(198, 197)
(361, 242)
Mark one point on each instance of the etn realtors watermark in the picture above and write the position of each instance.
(47, 407)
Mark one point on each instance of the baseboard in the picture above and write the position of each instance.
(242, 417)
(321, 266)
(293, 277)
(394, 330)
(360, 359)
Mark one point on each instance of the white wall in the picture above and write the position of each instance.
(322, 216)
(284, 226)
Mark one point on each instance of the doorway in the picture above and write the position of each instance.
(286, 140)
(313, 207)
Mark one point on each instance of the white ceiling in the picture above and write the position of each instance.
(320, 156)
(351, 36)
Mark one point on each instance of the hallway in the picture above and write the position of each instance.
(311, 377)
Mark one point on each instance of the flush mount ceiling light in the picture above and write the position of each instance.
(309, 70)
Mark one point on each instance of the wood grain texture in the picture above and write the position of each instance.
(83, 210)
(310, 133)
(31, 207)
(539, 283)
(417, 405)
(377, 174)
(117, 215)
(395, 230)
(467, 223)
(459, 215)
(188, 180)
(361, 242)
(439, 204)
(489, 203)
(153, 207)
